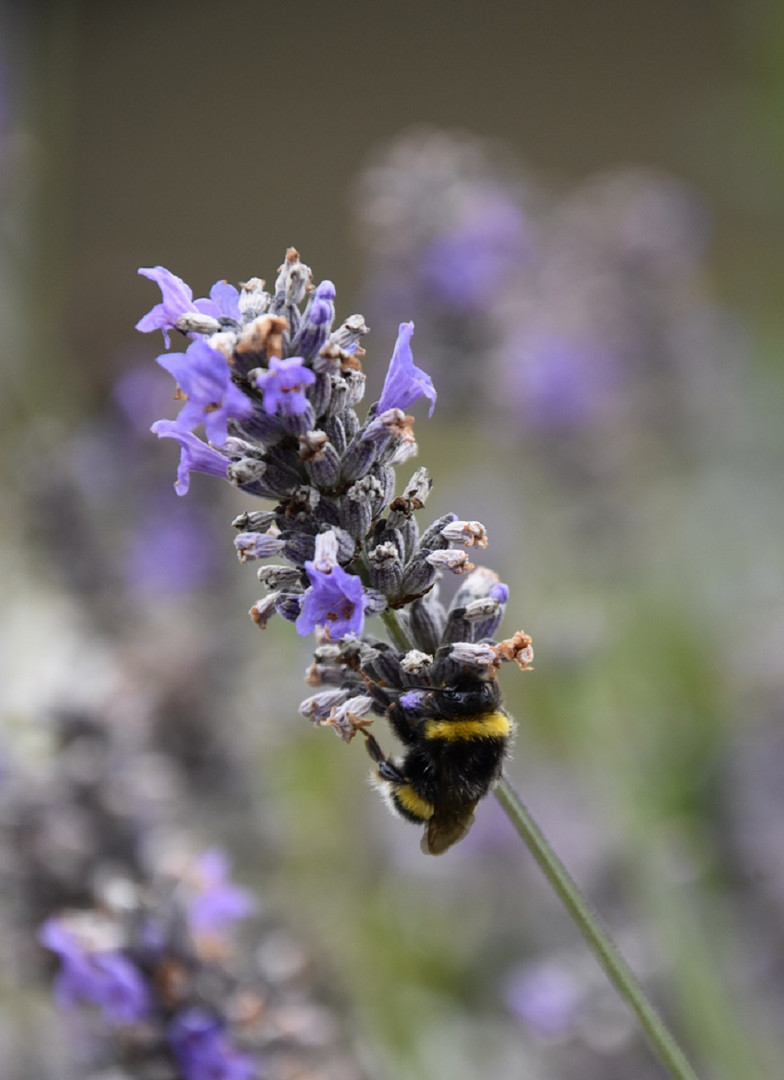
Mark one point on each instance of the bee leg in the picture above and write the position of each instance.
(387, 770)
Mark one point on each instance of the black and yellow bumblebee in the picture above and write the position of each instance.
(456, 738)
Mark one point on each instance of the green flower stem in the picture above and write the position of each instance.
(395, 630)
(620, 974)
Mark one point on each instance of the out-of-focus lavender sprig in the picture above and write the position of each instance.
(576, 321)
(173, 997)
(276, 389)
(149, 975)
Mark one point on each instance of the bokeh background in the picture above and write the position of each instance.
(581, 207)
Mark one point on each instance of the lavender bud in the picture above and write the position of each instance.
(468, 533)
(254, 300)
(347, 719)
(416, 663)
(349, 332)
(427, 620)
(355, 387)
(320, 393)
(458, 627)
(351, 424)
(193, 322)
(386, 480)
(317, 707)
(289, 605)
(246, 471)
(263, 610)
(357, 460)
(386, 570)
(283, 473)
(409, 530)
(483, 657)
(279, 577)
(356, 514)
(333, 426)
(253, 545)
(432, 537)
(339, 394)
(320, 459)
(298, 423)
(347, 547)
(316, 321)
(254, 520)
(291, 284)
(455, 561)
(383, 665)
(477, 585)
(300, 548)
(418, 576)
(479, 610)
(236, 448)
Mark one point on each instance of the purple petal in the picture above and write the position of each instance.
(405, 382)
(195, 456)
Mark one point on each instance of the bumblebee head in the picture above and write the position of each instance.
(468, 695)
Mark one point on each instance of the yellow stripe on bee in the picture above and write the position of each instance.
(413, 803)
(495, 725)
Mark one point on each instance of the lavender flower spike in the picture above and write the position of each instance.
(195, 456)
(204, 377)
(405, 382)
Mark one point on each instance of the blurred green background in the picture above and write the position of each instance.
(209, 138)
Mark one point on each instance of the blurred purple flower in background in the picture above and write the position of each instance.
(217, 901)
(203, 1050)
(545, 997)
(95, 976)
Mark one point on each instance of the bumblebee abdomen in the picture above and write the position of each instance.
(410, 804)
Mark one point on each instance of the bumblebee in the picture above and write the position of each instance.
(456, 738)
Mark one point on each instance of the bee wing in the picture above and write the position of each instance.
(446, 827)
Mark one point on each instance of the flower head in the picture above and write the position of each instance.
(405, 382)
(204, 377)
(283, 384)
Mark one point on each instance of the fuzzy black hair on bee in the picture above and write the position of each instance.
(456, 738)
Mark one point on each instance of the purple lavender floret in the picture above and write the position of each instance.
(203, 1051)
(195, 454)
(218, 901)
(177, 300)
(283, 385)
(204, 377)
(105, 978)
(405, 382)
(335, 600)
